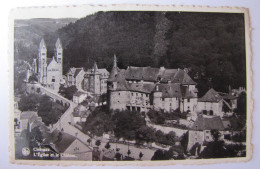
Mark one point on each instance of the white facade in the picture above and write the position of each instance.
(213, 107)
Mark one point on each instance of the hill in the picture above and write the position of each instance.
(210, 45)
(28, 33)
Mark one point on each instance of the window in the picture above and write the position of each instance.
(119, 94)
(188, 100)
(59, 53)
(136, 94)
(170, 104)
(162, 99)
(53, 79)
(207, 137)
(146, 95)
(132, 94)
(211, 112)
(142, 95)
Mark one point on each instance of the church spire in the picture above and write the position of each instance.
(58, 44)
(42, 44)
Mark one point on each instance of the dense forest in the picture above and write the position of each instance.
(210, 45)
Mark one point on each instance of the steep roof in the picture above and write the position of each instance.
(75, 71)
(211, 96)
(58, 43)
(63, 142)
(208, 123)
(141, 87)
(27, 115)
(156, 74)
(170, 90)
(182, 77)
(42, 44)
(142, 73)
(49, 60)
(167, 74)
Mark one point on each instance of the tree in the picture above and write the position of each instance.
(141, 155)
(89, 141)
(162, 155)
(146, 134)
(118, 156)
(107, 146)
(215, 134)
(68, 92)
(171, 137)
(98, 143)
(33, 78)
(241, 109)
(29, 102)
(214, 149)
(185, 140)
(127, 123)
(128, 152)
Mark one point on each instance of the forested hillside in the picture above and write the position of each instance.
(210, 45)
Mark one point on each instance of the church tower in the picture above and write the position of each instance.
(42, 62)
(59, 56)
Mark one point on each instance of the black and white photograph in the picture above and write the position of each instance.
(132, 85)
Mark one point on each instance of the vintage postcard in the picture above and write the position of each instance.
(130, 85)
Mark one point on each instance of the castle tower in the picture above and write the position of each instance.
(114, 70)
(97, 88)
(42, 62)
(95, 85)
(59, 55)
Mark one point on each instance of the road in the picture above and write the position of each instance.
(64, 125)
(166, 130)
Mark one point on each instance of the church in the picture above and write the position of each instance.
(49, 70)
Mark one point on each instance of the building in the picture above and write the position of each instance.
(71, 148)
(29, 120)
(75, 77)
(95, 80)
(144, 88)
(201, 130)
(80, 114)
(79, 97)
(49, 70)
(215, 103)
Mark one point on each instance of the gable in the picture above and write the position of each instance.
(77, 147)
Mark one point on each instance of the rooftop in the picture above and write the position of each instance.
(208, 123)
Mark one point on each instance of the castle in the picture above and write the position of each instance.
(49, 70)
(145, 88)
